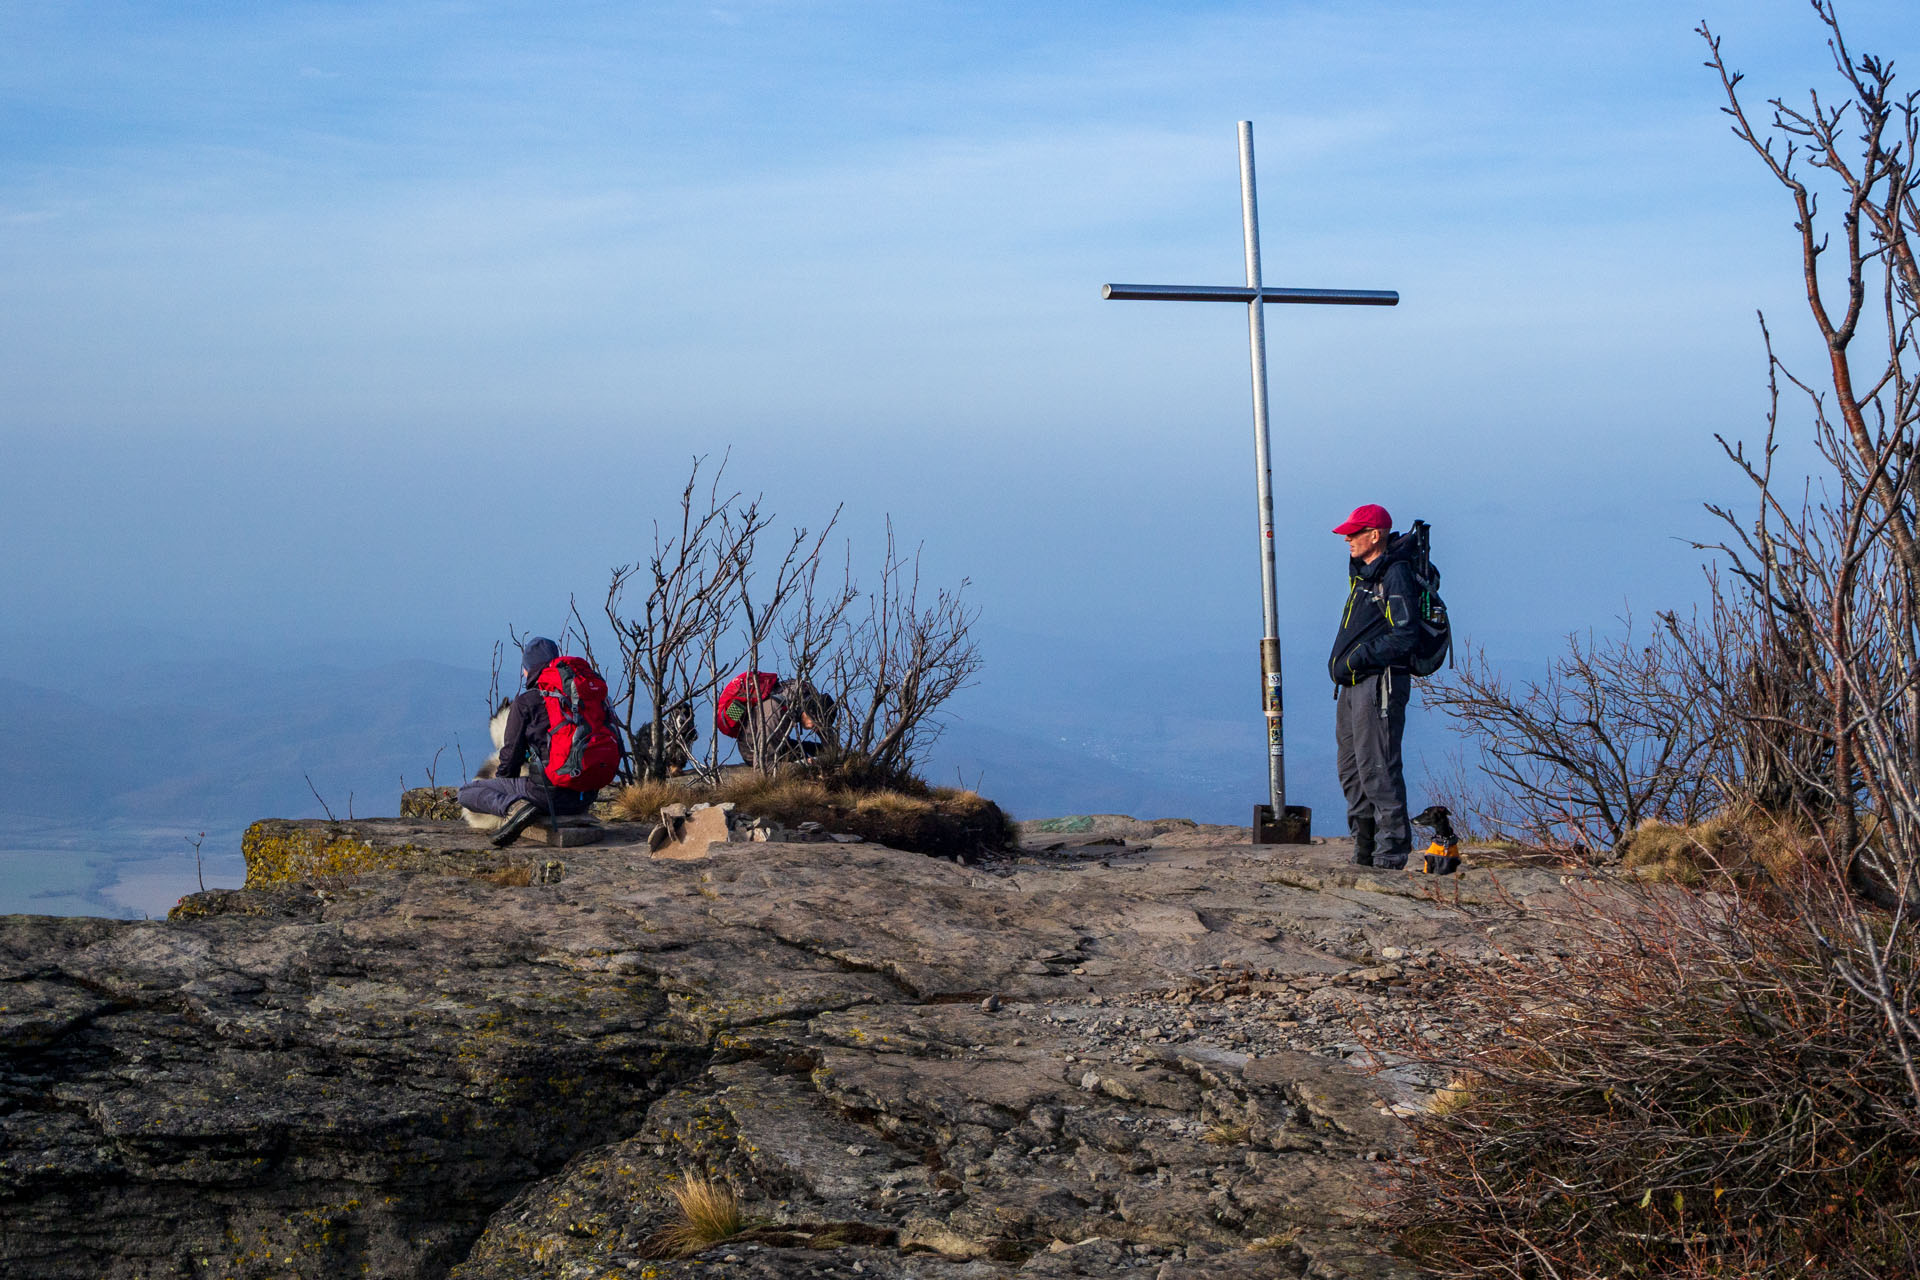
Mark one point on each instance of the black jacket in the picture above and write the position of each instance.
(528, 734)
(1379, 628)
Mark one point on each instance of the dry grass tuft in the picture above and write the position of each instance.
(642, 801)
(1740, 846)
(1450, 1097)
(1284, 1239)
(518, 876)
(1224, 1134)
(910, 815)
(708, 1213)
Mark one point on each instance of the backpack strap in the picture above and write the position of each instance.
(577, 750)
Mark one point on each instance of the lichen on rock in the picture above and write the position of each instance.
(286, 853)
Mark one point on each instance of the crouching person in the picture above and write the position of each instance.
(768, 717)
(558, 748)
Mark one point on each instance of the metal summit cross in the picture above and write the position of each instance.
(1274, 822)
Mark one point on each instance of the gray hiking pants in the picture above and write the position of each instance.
(498, 796)
(1369, 720)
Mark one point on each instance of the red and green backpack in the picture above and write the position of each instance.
(743, 691)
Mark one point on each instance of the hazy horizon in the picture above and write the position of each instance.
(315, 316)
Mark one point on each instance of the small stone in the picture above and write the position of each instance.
(990, 1005)
(1392, 953)
(1090, 1081)
(855, 1149)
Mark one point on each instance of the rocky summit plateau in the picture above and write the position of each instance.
(1125, 1048)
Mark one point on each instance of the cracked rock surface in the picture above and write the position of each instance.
(1137, 1049)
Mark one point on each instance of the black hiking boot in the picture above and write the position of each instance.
(1362, 842)
(519, 818)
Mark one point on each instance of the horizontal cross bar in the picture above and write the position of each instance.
(1243, 293)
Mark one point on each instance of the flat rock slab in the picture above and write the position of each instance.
(566, 835)
(1143, 1059)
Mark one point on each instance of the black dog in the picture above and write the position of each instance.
(1439, 863)
(1440, 818)
(671, 751)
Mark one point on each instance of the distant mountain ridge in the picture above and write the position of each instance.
(175, 742)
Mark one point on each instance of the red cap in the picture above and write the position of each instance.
(1370, 516)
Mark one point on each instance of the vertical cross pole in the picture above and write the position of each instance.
(1275, 822)
(1263, 467)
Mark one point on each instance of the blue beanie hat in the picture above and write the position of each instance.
(538, 653)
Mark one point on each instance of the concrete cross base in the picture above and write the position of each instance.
(1293, 827)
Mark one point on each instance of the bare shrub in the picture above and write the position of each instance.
(902, 659)
(690, 577)
(1610, 738)
(1831, 570)
(710, 599)
(1693, 1090)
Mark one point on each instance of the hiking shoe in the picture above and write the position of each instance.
(1362, 859)
(519, 818)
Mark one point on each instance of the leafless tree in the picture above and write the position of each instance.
(1832, 567)
(1754, 679)
(691, 574)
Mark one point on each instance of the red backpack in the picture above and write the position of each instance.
(582, 753)
(748, 687)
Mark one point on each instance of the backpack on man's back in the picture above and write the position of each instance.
(1437, 634)
(1435, 646)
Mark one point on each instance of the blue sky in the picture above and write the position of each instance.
(382, 325)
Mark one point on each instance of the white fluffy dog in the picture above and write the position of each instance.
(497, 727)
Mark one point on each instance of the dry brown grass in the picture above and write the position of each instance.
(642, 801)
(707, 1212)
(910, 816)
(1737, 845)
(1691, 1091)
(518, 876)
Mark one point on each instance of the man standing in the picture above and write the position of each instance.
(1371, 666)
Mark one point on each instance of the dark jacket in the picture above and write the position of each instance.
(1379, 628)
(528, 732)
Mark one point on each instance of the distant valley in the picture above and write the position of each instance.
(116, 771)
